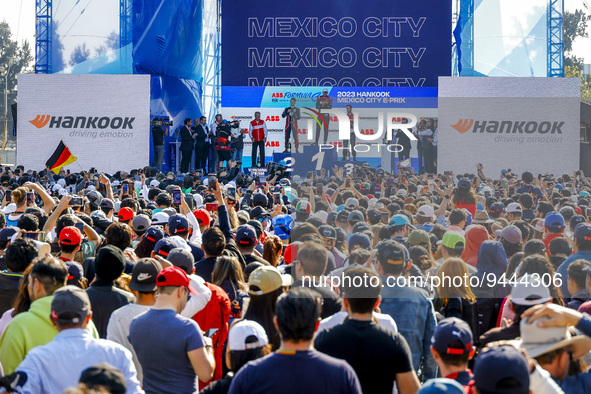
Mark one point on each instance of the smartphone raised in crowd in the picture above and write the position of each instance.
(276, 199)
(34, 235)
(232, 193)
(30, 198)
(125, 188)
(76, 201)
(176, 197)
(211, 182)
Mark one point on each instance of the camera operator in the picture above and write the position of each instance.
(224, 133)
(277, 172)
(159, 130)
(212, 157)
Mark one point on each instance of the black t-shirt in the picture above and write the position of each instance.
(331, 302)
(253, 258)
(375, 353)
(158, 135)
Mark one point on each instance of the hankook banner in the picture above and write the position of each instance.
(509, 123)
(103, 119)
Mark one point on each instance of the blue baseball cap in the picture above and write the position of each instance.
(464, 183)
(583, 231)
(399, 220)
(246, 235)
(441, 385)
(554, 219)
(163, 247)
(497, 207)
(282, 225)
(449, 330)
(178, 224)
(361, 240)
(154, 234)
(499, 364)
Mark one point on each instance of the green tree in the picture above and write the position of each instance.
(574, 26)
(14, 59)
(575, 72)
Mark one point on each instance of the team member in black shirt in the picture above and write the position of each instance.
(379, 356)
(158, 133)
(187, 144)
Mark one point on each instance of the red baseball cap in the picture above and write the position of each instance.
(126, 214)
(174, 276)
(203, 217)
(70, 236)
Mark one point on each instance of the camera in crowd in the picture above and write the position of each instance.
(243, 180)
(273, 167)
(161, 122)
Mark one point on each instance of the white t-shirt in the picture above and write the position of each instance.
(340, 317)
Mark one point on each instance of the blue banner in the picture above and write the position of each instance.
(388, 43)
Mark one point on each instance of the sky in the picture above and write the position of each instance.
(99, 19)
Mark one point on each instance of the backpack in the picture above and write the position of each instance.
(216, 315)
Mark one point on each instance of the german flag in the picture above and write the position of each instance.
(60, 158)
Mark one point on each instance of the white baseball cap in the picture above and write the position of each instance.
(10, 208)
(529, 292)
(154, 183)
(247, 334)
(160, 219)
(514, 207)
(426, 211)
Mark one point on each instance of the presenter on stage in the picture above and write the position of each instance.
(200, 134)
(323, 103)
(257, 130)
(292, 114)
(187, 144)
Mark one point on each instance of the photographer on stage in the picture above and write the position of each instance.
(292, 114)
(323, 102)
(223, 134)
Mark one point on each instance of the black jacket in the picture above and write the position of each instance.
(201, 132)
(105, 298)
(186, 137)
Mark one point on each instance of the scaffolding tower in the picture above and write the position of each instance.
(555, 52)
(43, 24)
(211, 44)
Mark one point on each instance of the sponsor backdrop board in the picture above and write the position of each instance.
(517, 123)
(103, 119)
(386, 43)
(370, 104)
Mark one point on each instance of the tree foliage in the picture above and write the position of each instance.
(15, 59)
(574, 26)
(575, 72)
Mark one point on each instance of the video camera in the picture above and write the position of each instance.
(273, 167)
(160, 122)
(243, 180)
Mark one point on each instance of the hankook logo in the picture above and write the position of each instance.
(83, 122)
(508, 126)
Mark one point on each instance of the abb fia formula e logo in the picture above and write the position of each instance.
(40, 121)
(463, 125)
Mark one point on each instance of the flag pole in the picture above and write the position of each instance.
(81, 169)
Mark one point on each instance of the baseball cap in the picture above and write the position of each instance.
(441, 385)
(160, 219)
(70, 304)
(10, 208)
(324, 90)
(529, 292)
(125, 214)
(453, 240)
(7, 232)
(399, 220)
(183, 259)
(554, 219)
(449, 330)
(107, 203)
(575, 220)
(391, 252)
(154, 234)
(361, 240)
(508, 363)
(247, 334)
(178, 224)
(282, 226)
(464, 183)
(163, 247)
(174, 276)
(246, 235)
(143, 275)
(418, 237)
(154, 183)
(514, 207)
(203, 217)
(497, 207)
(351, 203)
(105, 376)
(583, 231)
(258, 212)
(70, 236)
(426, 211)
(342, 216)
(511, 234)
(327, 231)
(303, 206)
(374, 215)
(355, 216)
(267, 279)
(141, 223)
